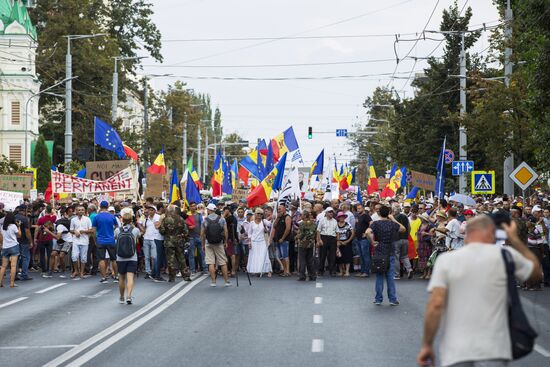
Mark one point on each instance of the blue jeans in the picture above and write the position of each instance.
(150, 253)
(25, 259)
(45, 251)
(363, 245)
(161, 259)
(392, 293)
(282, 250)
(195, 242)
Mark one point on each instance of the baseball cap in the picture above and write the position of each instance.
(211, 207)
(468, 212)
(406, 205)
(111, 209)
(249, 212)
(104, 204)
(329, 209)
(536, 208)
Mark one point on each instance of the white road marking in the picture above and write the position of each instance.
(50, 288)
(105, 333)
(12, 302)
(317, 345)
(318, 300)
(39, 347)
(545, 352)
(127, 330)
(98, 294)
(318, 285)
(317, 319)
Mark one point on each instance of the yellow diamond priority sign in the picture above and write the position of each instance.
(524, 176)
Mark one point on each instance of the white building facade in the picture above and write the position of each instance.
(18, 82)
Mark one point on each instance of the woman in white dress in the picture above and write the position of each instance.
(258, 232)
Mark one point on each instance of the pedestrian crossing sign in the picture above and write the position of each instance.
(483, 182)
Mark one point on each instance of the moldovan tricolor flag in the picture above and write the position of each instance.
(273, 181)
(373, 180)
(174, 187)
(217, 177)
(158, 167)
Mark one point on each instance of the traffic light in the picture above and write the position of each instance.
(310, 132)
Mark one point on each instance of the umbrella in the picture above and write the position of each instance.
(464, 199)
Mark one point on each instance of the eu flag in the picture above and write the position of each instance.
(106, 137)
(192, 194)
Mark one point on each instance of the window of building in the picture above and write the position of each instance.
(15, 113)
(15, 154)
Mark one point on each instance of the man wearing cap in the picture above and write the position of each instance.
(105, 224)
(326, 238)
(81, 228)
(214, 238)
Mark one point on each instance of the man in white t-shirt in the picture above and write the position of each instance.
(150, 234)
(81, 228)
(468, 296)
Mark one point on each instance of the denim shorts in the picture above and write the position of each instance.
(282, 250)
(10, 251)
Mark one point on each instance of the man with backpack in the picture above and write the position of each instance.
(214, 236)
(126, 255)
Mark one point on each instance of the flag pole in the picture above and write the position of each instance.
(94, 139)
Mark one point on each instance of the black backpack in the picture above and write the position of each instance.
(126, 242)
(522, 335)
(65, 222)
(214, 231)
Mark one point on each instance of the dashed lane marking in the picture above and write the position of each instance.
(50, 288)
(319, 285)
(98, 294)
(39, 347)
(317, 345)
(318, 300)
(317, 319)
(12, 302)
(545, 352)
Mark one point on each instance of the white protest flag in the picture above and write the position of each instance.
(291, 188)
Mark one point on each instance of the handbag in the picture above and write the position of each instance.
(379, 264)
(522, 334)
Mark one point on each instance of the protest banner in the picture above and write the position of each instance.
(66, 184)
(239, 194)
(155, 185)
(19, 182)
(102, 170)
(11, 199)
(423, 180)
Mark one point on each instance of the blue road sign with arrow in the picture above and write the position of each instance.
(342, 133)
(461, 167)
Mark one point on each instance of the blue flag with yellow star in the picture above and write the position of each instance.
(106, 137)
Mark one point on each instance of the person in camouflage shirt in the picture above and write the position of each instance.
(305, 239)
(175, 232)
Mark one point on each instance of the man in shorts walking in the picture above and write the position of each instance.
(214, 239)
(104, 224)
(63, 243)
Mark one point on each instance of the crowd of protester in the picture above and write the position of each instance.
(391, 239)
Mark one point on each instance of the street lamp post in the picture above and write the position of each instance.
(114, 107)
(69, 92)
(27, 161)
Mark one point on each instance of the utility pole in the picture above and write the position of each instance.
(509, 160)
(206, 152)
(69, 103)
(462, 138)
(69, 94)
(170, 116)
(184, 140)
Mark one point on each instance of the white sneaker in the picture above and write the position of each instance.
(227, 284)
(121, 300)
(212, 285)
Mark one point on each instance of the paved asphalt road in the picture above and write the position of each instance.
(276, 322)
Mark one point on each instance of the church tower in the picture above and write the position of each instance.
(18, 81)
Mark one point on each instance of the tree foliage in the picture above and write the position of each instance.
(124, 22)
(43, 164)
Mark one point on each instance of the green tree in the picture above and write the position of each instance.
(43, 164)
(233, 150)
(125, 22)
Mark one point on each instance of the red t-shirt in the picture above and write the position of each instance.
(42, 221)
